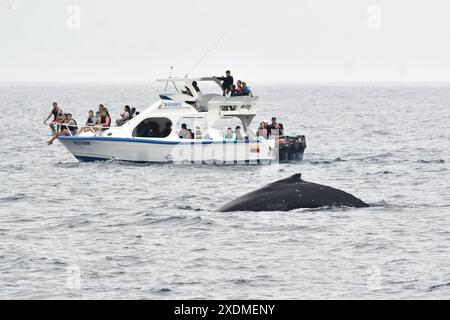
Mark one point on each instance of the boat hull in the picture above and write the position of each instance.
(160, 151)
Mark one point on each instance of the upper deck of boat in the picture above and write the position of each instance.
(185, 92)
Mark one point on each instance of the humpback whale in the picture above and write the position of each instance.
(292, 193)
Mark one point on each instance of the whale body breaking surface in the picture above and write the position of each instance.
(292, 193)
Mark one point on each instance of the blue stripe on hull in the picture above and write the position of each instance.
(93, 159)
(90, 159)
(154, 141)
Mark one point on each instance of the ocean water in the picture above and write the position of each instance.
(75, 230)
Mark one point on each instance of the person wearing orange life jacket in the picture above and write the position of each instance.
(275, 128)
(263, 130)
(104, 122)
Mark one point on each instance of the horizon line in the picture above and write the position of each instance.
(12, 82)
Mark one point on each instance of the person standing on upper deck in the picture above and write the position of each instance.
(227, 81)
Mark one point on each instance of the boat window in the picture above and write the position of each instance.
(224, 123)
(221, 126)
(209, 87)
(153, 128)
(197, 126)
(177, 86)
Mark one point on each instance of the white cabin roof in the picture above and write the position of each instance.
(184, 79)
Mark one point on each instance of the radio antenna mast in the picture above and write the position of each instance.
(170, 76)
(204, 56)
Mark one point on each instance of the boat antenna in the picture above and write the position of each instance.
(206, 53)
(170, 76)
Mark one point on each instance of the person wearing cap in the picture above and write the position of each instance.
(246, 90)
(227, 81)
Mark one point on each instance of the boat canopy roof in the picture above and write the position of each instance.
(189, 80)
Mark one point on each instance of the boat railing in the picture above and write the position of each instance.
(94, 129)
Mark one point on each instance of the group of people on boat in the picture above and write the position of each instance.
(185, 133)
(265, 130)
(230, 89)
(231, 135)
(273, 129)
(63, 124)
(128, 113)
(98, 122)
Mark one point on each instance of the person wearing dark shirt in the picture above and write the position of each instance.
(133, 112)
(187, 92)
(55, 112)
(194, 84)
(227, 81)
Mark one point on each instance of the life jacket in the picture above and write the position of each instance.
(105, 121)
(263, 133)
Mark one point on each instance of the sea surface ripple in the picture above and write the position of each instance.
(118, 230)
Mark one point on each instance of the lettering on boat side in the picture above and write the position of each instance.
(235, 107)
(228, 107)
(82, 143)
(171, 105)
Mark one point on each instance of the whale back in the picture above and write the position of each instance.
(291, 193)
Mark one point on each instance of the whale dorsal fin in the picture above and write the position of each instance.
(292, 179)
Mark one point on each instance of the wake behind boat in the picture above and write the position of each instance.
(152, 136)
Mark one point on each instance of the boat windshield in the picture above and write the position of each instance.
(176, 86)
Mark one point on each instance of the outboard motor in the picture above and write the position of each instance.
(291, 148)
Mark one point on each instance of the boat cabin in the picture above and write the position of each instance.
(200, 110)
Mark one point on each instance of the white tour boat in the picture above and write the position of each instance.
(152, 136)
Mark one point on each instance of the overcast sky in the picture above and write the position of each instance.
(265, 41)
